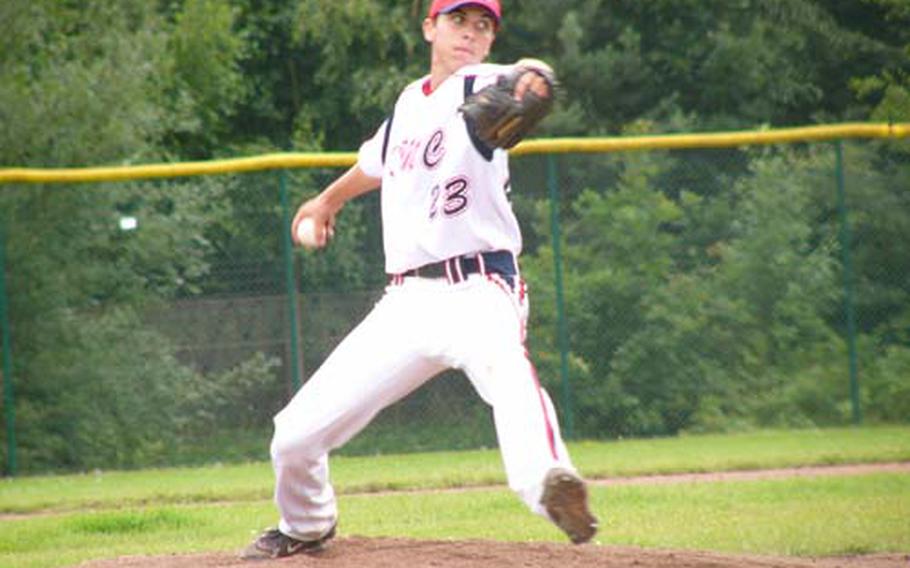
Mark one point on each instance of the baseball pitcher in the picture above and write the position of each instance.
(455, 297)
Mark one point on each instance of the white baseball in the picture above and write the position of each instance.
(306, 233)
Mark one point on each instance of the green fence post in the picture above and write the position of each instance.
(562, 328)
(290, 280)
(9, 403)
(848, 283)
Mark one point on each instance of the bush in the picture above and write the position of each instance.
(105, 396)
(244, 397)
(886, 385)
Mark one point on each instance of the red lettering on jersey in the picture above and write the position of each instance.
(406, 153)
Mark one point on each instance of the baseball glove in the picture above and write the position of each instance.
(497, 118)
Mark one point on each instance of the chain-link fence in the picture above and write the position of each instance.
(165, 321)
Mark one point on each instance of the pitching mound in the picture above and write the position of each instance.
(354, 552)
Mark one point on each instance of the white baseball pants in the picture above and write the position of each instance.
(418, 329)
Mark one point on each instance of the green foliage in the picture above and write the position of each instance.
(732, 64)
(244, 397)
(93, 406)
(889, 89)
(78, 83)
(737, 336)
(879, 217)
(893, 94)
(359, 65)
(208, 84)
(886, 384)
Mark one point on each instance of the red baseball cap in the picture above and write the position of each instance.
(446, 6)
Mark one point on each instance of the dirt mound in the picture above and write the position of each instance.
(355, 552)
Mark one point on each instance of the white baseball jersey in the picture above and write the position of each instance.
(441, 196)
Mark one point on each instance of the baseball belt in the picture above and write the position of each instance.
(458, 268)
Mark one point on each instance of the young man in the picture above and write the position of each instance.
(455, 297)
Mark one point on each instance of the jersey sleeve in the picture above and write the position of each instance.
(369, 157)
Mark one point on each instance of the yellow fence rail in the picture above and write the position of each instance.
(293, 160)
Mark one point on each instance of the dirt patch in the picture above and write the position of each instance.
(355, 552)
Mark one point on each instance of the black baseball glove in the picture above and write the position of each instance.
(497, 118)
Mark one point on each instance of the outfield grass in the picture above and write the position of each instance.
(78, 517)
(799, 516)
(252, 482)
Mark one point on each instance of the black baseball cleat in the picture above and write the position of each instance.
(275, 544)
(565, 498)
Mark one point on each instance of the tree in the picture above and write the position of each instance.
(617, 249)
(204, 85)
(81, 85)
(660, 344)
(889, 89)
(732, 65)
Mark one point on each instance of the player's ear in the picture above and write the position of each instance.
(429, 29)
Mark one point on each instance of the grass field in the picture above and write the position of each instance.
(61, 520)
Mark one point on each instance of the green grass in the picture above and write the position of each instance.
(77, 517)
(797, 516)
(800, 516)
(252, 482)
(756, 450)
